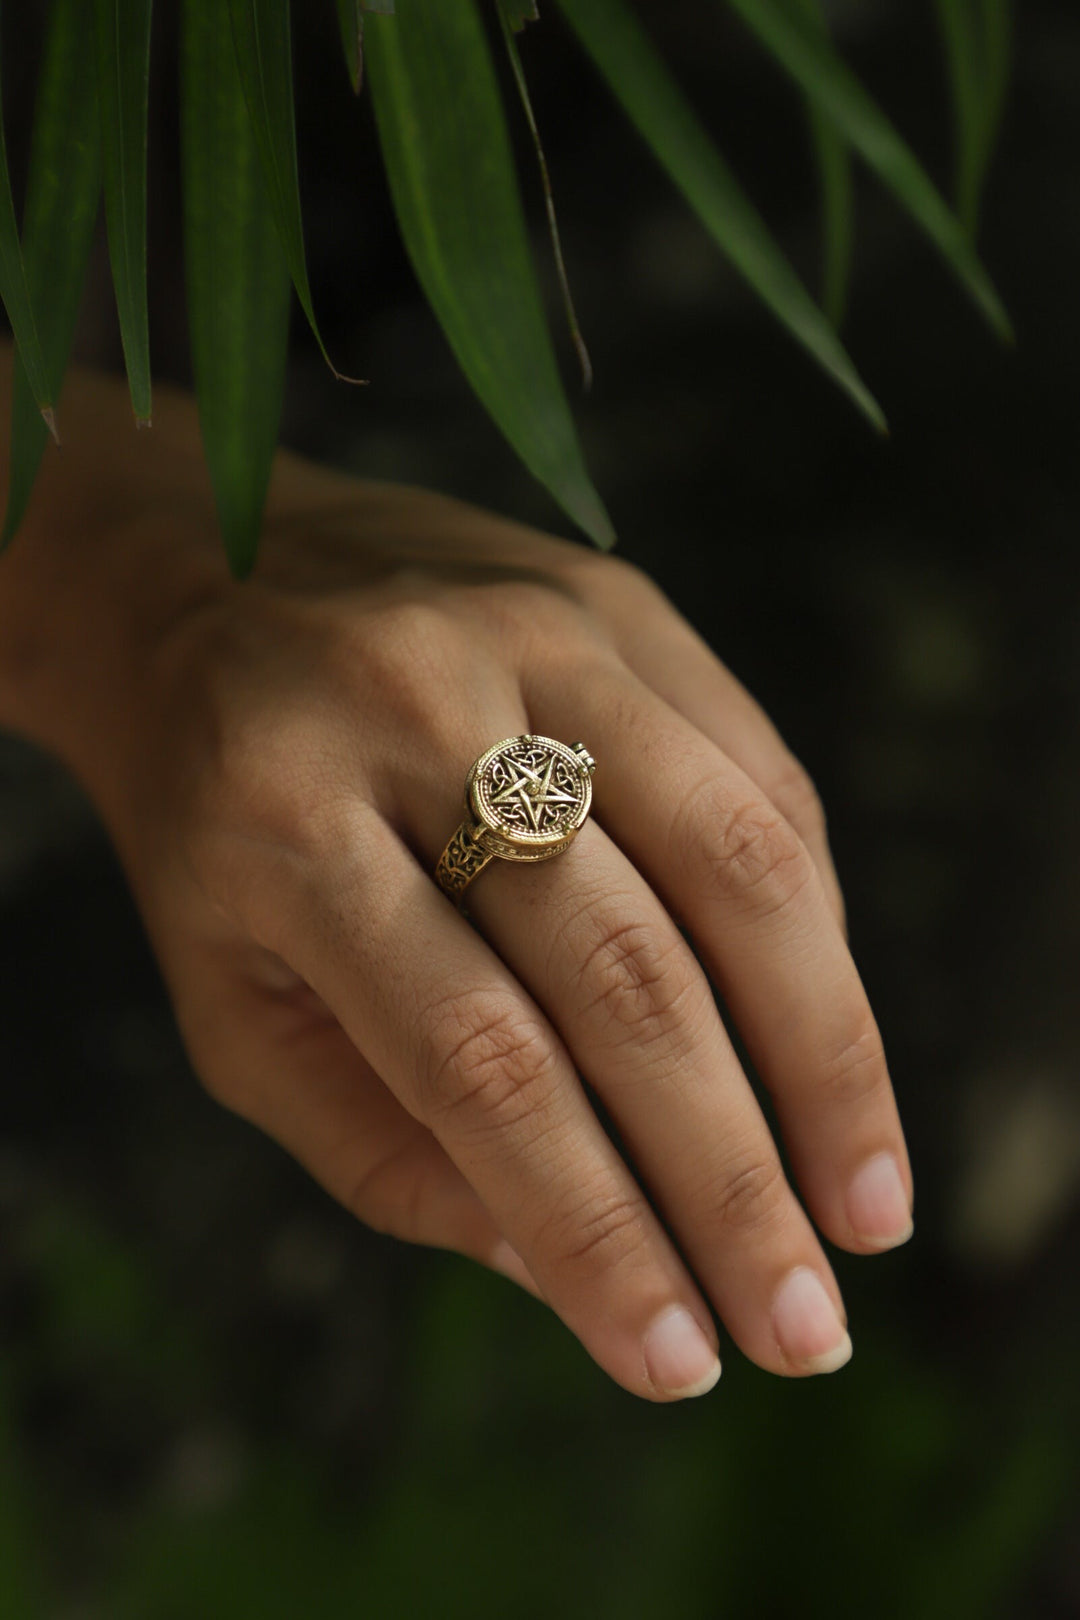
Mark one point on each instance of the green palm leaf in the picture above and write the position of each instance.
(813, 63)
(997, 39)
(123, 63)
(15, 294)
(63, 188)
(512, 20)
(957, 22)
(351, 22)
(623, 53)
(976, 35)
(238, 284)
(447, 154)
(263, 41)
(516, 13)
(833, 157)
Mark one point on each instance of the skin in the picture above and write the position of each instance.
(279, 764)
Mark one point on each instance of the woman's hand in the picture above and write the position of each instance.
(281, 763)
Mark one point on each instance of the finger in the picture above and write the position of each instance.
(601, 955)
(470, 1056)
(276, 1055)
(723, 859)
(682, 669)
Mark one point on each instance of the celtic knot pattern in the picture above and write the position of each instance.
(460, 861)
(531, 789)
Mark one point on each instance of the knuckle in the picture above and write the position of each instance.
(855, 1071)
(388, 1196)
(403, 654)
(615, 592)
(753, 1199)
(795, 795)
(220, 1086)
(598, 1236)
(519, 606)
(489, 1063)
(399, 635)
(304, 814)
(604, 573)
(632, 983)
(228, 1083)
(271, 874)
(427, 676)
(266, 779)
(750, 851)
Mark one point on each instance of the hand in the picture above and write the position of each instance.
(281, 766)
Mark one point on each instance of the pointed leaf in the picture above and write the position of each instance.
(123, 66)
(976, 38)
(238, 284)
(997, 27)
(838, 212)
(15, 294)
(447, 154)
(956, 20)
(506, 12)
(814, 64)
(651, 98)
(62, 193)
(833, 157)
(351, 21)
(516, 13)
(263, 42)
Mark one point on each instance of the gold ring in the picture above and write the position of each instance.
(525, 800)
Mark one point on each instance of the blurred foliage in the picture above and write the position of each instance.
(526, 1484)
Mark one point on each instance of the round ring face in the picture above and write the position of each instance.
(532, 792)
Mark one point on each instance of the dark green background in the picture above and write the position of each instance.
(218, 1396)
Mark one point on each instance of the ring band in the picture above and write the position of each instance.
(526, 799)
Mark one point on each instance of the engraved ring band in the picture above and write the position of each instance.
(526, 798)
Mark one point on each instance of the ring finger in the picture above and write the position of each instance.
(469, 1054)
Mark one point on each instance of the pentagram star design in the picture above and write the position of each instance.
(531, 791)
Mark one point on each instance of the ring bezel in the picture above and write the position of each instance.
(514, 843)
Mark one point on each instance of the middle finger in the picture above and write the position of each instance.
(726, 862)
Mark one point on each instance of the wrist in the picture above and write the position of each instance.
(114, 542)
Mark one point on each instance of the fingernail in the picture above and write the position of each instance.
(877, 1204)
(678, 1357)
(806, 1324)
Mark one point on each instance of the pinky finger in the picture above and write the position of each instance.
(281, 1060)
